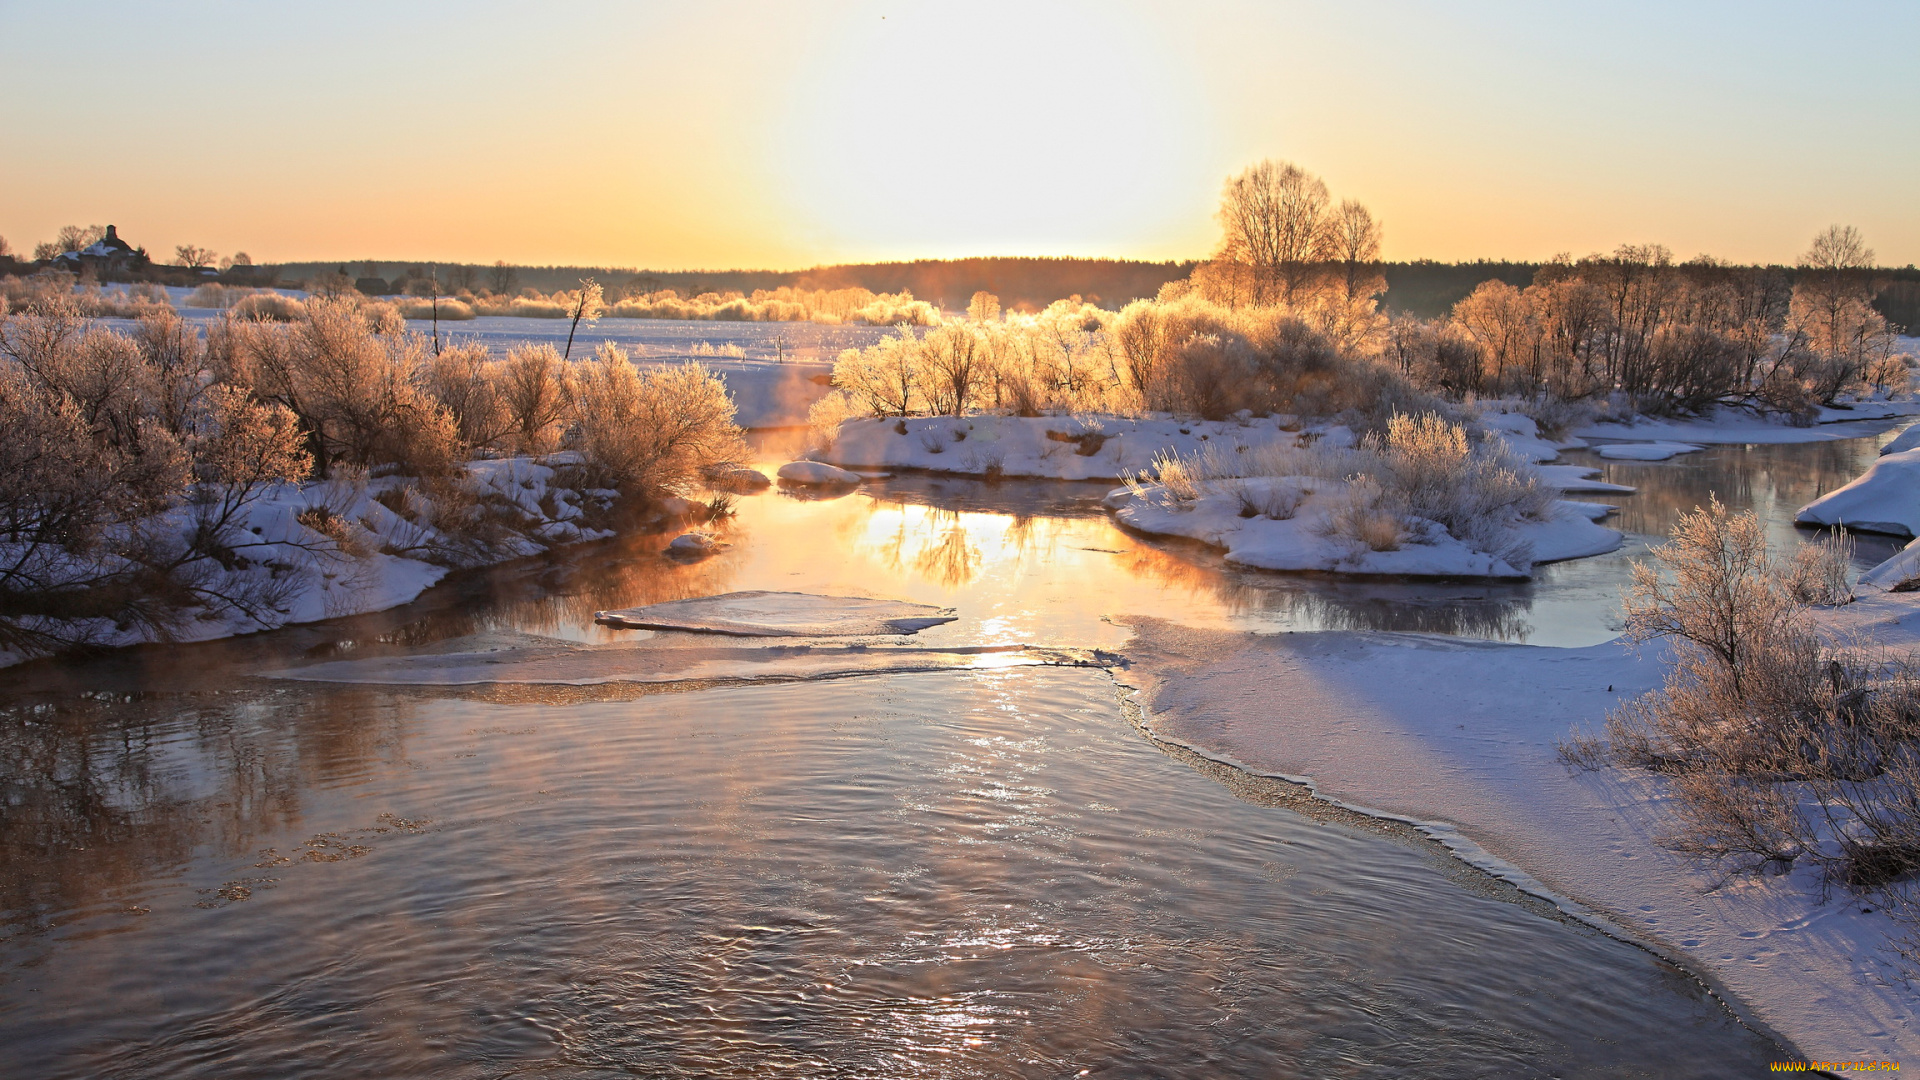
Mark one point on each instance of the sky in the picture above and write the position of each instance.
(785, 135)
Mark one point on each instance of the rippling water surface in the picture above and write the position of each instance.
(212, 874)
(962, 875)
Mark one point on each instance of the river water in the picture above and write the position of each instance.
(208, 872)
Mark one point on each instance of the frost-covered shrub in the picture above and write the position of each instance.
(530, 387)
(470, 385)
(269, 307)
(654, 431)
(445, 309)
(1361, 516)
(1427, 467)
(1777, 747)
(1276, 502)
(216, 295)
(1820, 571)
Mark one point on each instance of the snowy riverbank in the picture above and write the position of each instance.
(351, 546)
(1461, 740)
(1306, 539)
(1282, 523)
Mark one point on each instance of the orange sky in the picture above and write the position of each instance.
(786, 135)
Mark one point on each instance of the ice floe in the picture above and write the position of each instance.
(760, 613)
(1658, 450)
(817, 473)
(559, 663)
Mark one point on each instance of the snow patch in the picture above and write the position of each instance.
(817, 473)
(1885, 499)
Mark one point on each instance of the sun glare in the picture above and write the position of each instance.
(996, 128)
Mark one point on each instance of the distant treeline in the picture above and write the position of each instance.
(1424, 287)
(1020, 283)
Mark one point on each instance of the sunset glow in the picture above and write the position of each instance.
(775, 135)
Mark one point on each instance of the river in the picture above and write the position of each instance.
(990, 872)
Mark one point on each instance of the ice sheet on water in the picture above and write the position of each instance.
(780, 614)
(1658, 450)
(570, 664)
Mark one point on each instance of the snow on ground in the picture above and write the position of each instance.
(760, 613)
(1885, 499)
(1729, 425)
(1567, 478)
(1458, 736)
(1053, 447)
(1523, 438)
(1906, 440)
(1903, 567)
(1304, 540)
(1646, 451)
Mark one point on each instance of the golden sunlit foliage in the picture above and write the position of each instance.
(130, 455)
(784, 304)
(1185, 355)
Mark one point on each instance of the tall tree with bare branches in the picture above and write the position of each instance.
(1276, 219)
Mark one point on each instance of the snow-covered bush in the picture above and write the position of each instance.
(1819, 573)
(1427, 468)
(444, 309)
(654, 431)
(1777, 747)
(215, 295)
(268, 307)
(1362, 517)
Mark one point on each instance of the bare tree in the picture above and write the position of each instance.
(502, 277)
(194, 258)
(78, 237)
(1276, 221)
(462, 278)
(583, 305)
(1355, 243)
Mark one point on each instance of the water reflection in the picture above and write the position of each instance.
(506, 883)
(1024, 562)
(982, 875)
(1772, 480)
